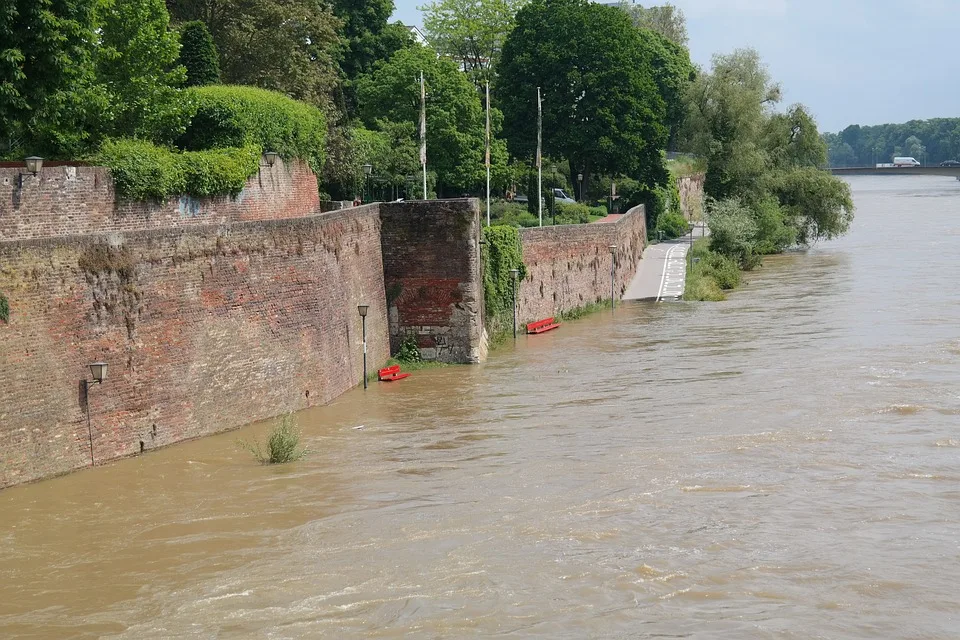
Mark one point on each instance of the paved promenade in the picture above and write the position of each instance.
(663, 271)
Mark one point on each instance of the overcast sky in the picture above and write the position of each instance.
(849, 61)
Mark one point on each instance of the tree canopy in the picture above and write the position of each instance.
(666, 19)
(198, 54)
(930, 141)
(602, 110)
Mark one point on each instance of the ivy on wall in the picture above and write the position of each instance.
(503, 252)
(4, 308)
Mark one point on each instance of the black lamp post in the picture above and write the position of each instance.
(362, 308)
(580, 182)
(98, 370)
(514, 273)
(613, 273)
(367, 172)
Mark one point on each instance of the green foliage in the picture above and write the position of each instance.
(567, 213)
(4, 308)
(198, 54)
(502, 252)
(290, 46)
(470, 30)
(48, 92)
(143, 171)
(666, 20)
(229, 116)
(929, 141)
(512, 214)
(820, 206)
(602, 109)
(733, 232)
(282, 446)
(455, 116)
(409, 350)
(137, 65)
(582, 311)
(672, 225)
(774, 232)
(367, 37)
(709, 274)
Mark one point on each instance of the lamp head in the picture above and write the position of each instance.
(271, 157)
(99, 371)
(367, 169)
(362, 308)
(34, 164)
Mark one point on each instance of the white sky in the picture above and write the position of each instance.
(849, 61)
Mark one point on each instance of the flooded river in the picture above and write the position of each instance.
(782, 465)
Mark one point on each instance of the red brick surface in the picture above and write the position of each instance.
(568, 266)
(64, 200)
(205, 328)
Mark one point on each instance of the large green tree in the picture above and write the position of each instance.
(198, 54)
(137, 64)
(602, 110)
(666, 19)
(288, 46)
(471, 32)
(47, 86)
(455, 118)
(367, 36)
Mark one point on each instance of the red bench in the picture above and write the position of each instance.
(542, 325)
(389, 374)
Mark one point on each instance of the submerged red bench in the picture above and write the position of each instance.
(389, 374)
(542, 325)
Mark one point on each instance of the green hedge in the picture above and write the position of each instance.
(234, 116)
(502, 252)
(142, 170)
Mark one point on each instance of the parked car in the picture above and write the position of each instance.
(950, 163)
(559, 195)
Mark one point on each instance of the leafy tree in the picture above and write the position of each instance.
(602, 111)
(47, 85)
(287, 46)
(198, 54)
(667, 20)
(792, 139)
(818, 203)
(368, 38)
(455, 119)
(137, 64)
(673, 73)
(472, 32)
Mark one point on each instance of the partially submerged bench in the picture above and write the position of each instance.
(541, 326)
(389, 374)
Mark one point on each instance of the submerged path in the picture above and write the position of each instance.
(663, 270)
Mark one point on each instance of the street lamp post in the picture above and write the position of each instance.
(367, 172)
(580, 182)
(613, 272)
(362, 308)
(514, 273)
(99, 372)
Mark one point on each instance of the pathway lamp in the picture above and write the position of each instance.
(34, 164)
(271, 157)
(362, 309)
(613, 274)
(367, 172)
(98, 371)
(580, 182)
(514, 273)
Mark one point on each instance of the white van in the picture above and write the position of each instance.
(905, 161)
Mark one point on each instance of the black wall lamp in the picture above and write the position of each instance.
(98, 371)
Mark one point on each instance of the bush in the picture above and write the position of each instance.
(233, 116)
(198, 54)
(142, 170)
(572, 213)
(282, 446)
(672, 225)
(513, 214)
(4, 308)
(709, 274)
(733, 232)
(409, 350)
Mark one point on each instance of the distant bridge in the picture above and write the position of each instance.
(897, 171)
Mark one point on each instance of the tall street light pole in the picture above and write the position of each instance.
(514, 273)
(362, 309)
(580, 182)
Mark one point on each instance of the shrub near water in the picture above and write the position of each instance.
(282, 446)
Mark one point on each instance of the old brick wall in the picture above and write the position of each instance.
(65, 200)
(433, 278)
(568, 266)
(205, 328)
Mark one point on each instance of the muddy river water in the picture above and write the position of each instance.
(785, 464)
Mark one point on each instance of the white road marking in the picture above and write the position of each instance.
(674, 273)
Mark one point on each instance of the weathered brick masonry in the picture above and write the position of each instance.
(205, 329)
(568, 266)
(433, 277)
(64, 201)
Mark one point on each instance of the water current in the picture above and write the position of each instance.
(785, 464)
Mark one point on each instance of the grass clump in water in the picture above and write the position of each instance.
(282, 446)
(710, 274)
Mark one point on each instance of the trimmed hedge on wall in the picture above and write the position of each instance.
(144, 171)
(235, 116)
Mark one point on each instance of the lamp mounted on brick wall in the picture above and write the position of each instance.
(362, 310)
(98, 370)
(271, 157)
(34, 164)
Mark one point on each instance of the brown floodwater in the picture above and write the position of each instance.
(785, 464)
